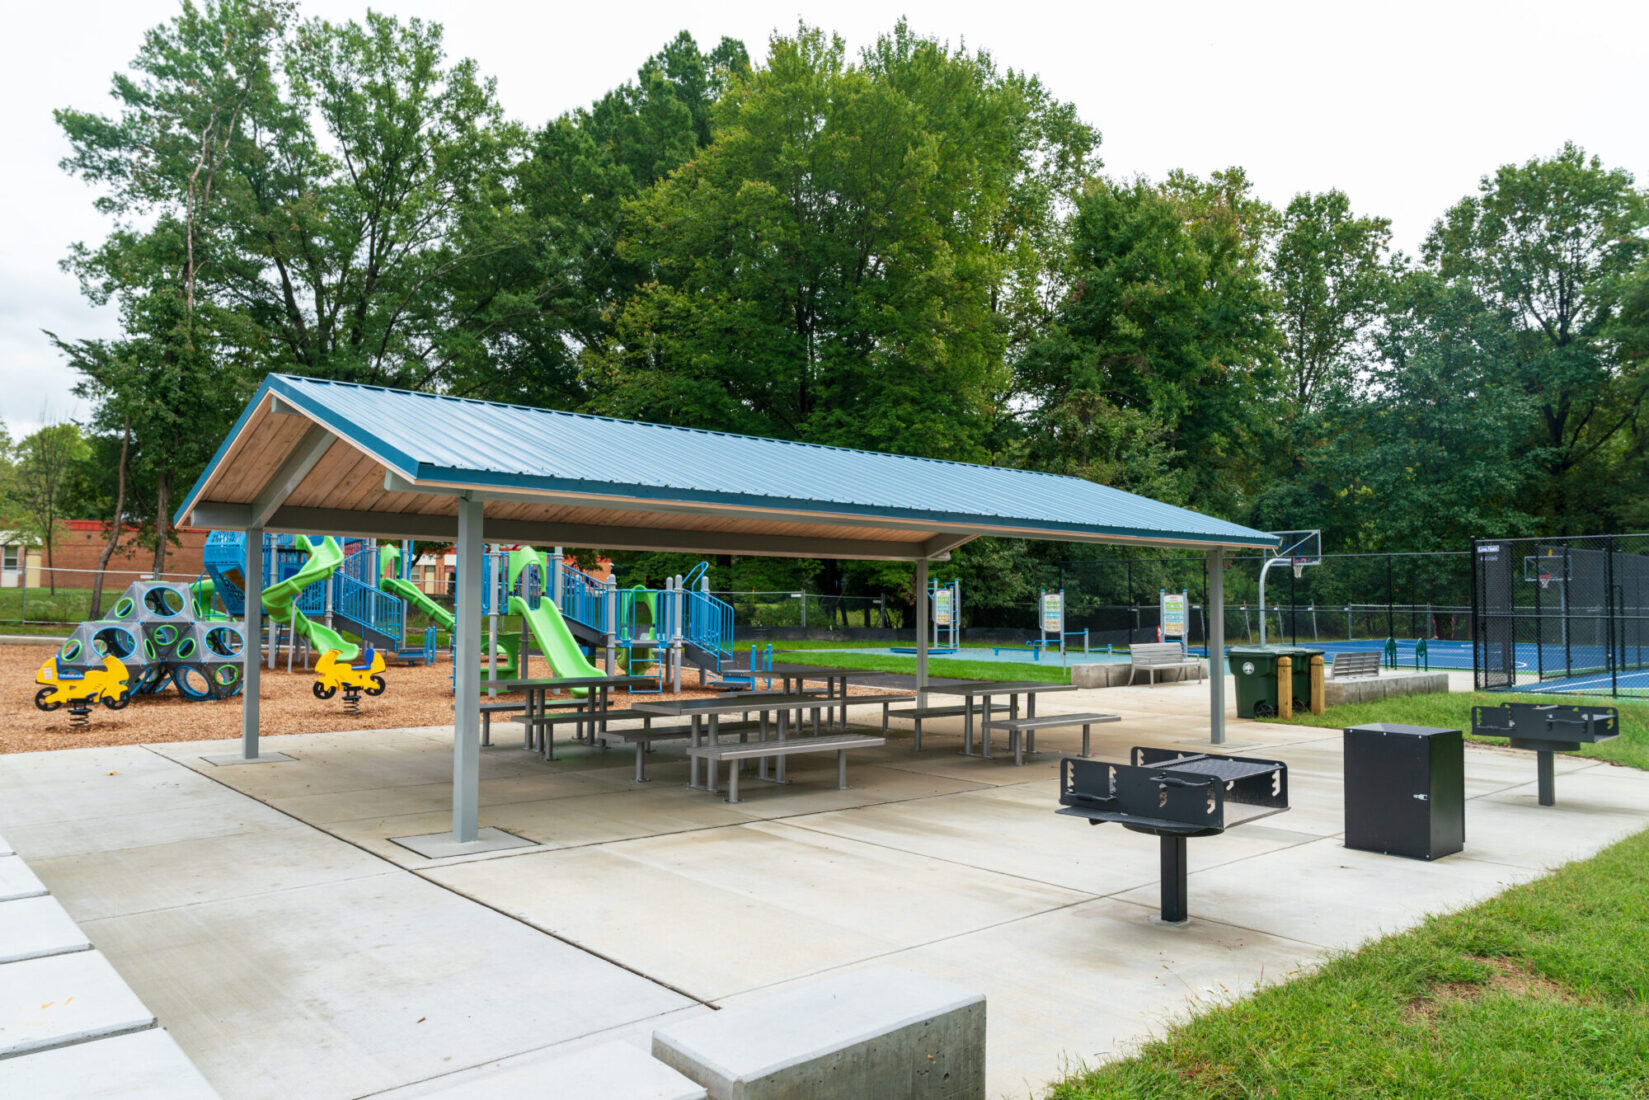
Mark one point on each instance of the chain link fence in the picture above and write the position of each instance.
(1562, 615)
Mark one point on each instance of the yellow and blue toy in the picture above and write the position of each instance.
(86, 686)
(332, 674)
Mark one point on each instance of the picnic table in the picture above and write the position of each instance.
(592, 716)
(984, 691)
(706, 731)
(793, 677)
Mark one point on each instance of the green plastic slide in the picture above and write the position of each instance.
(555, 641)
(412, 594)
(324, 559)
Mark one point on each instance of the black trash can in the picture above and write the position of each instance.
(1405, 790)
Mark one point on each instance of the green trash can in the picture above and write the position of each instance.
(1254, 667)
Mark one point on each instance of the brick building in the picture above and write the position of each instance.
(80, 541)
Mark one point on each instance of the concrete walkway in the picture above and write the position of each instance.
(292, 948)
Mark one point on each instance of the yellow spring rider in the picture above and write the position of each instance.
(332, 674)
(66, 684)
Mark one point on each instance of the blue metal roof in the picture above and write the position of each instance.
(434, 438)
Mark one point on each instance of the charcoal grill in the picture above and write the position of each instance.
(1545, 729)
(1173, 796)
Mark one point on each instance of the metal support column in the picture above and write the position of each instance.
(1175, 893)
(1214, 614)
(1543, 774)
(466, 704)
(253, 668)
(921, 632)
(609, 620)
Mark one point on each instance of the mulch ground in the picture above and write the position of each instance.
(418, 695)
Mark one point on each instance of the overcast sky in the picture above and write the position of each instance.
(1402, 105)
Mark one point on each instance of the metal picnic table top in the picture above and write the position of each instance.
(732, 704)
(548, 683)
(1007, 687)
(815, 672)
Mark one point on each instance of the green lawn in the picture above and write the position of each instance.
(944, 667)
(1453, 711)
(70, 606)
(1540, 992)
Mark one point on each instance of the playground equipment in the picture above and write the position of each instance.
(160, 634)
(333, 673)
(1050, 608)
(81, 688)
(1296, 549)
(1173, 796)
(945, 605)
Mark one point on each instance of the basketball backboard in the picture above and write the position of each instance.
(1299, 547)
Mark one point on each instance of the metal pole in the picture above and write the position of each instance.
(921, 632)
(1609, 614)
(609, 599)
(495, 587)
(1391, 627)
(253, 670)
(1214, 617)
(466, 705)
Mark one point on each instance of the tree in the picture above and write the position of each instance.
(1328, 267)
(828, 268)
(1164, 341)
(45, 464)
(161, 165)
(1550, 246)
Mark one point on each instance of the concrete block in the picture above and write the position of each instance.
(17, 881)
(1108, 674)
(608, 1071)
(5, 848)
(32, 927)
(882, 1031)
(1370, 689)
(145, 1065)
(62, 999)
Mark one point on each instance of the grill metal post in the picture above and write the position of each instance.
(1175, 888)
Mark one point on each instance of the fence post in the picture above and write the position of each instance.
(1609, 614)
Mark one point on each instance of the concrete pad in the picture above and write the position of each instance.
(226, 760)
(442, 845)
(794, 901)
(392, 800)
(62, 999)
(5, 848)
(1015, 831)
(144, 1065)
(34, 927)
(17, 881)
(878, 1031)
(609, 1071)
(94, 885)
(354, 987)
(1327, 894)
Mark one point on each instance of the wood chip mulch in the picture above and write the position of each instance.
(418, 695)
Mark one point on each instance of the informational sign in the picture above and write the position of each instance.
(1053, 612)
(1173, 615)
(944, 606)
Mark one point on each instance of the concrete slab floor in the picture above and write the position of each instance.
(293, 948)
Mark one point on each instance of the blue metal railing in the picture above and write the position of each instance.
(357, 600)
(709, 625)
(583, 599)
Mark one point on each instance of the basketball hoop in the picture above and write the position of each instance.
(1299, 567)
(1545, 580)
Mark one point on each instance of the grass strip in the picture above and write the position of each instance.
(1539, 992)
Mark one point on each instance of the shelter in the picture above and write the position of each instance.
(338, 458)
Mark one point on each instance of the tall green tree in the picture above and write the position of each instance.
(1329, 269)
(1161, 353)
(829, 268)
(40, 484)
(1551, 245)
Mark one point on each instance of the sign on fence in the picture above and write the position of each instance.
(1173, 615)
(944, 606)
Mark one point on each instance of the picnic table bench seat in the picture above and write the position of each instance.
(918, 714)
(1029, 726)
(490, 707)
(1150, 657)
(733, 752)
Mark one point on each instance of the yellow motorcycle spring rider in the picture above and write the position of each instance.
(82, 688)
(332, 674)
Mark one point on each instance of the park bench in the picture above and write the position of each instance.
(918, 714)
(734, 752)
(1028, 727)
(1154, 656)
(1347, 665)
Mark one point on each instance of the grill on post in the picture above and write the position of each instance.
(1173, 796)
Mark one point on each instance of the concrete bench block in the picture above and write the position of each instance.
(1387, 685)
(60, 999)
(882, 1031)
(608, 1071)
(33, 927)
(145, 1065)
(1107, 674)
(17, 881)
